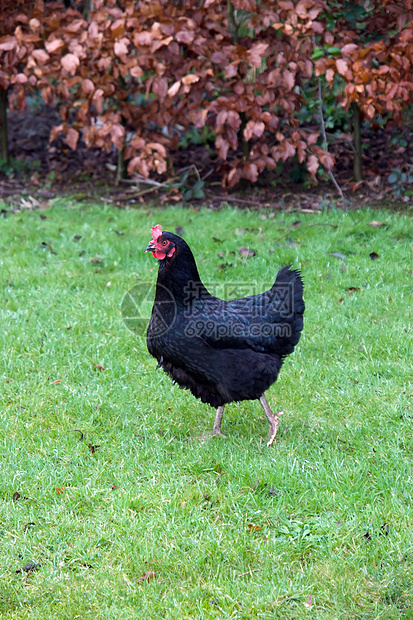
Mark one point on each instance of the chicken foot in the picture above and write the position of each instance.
(272, 419)
(217, 424)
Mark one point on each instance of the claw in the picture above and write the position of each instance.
(274, 428)
(213, 434)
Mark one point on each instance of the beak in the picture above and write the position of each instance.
(150, 247)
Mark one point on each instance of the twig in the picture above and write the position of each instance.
(323, 129)
(234, 199)
(210, 171)
(249, 572)
(132, 194)
(194, 169)
(155, 185)
(142, 180)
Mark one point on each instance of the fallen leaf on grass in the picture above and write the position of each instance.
(339, 255)
(246, 252)
(59, 490)
(384, 529)
(99, 367)
(119, 233)
(309, 601)
(376, 224)
(92, 448)
(30, 524)
(253, 528)
(95, 259)
(373, 255)
(16, 496)
(352, 289)
(28, 568)
(76, 430)
(147, 575)
(57, 381)
(48, 245)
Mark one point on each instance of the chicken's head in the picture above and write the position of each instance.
(160, 246)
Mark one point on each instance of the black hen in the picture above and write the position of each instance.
(223, 351)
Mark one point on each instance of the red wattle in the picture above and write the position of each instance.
(159, 255)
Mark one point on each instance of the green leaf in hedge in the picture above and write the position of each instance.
(333, 51)
(318, 53)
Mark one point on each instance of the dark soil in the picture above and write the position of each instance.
(42, 171)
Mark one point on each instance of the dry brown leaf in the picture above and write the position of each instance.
(246, 252)
(191, 78)
(253, 129)
(71, 138)
(70, 62)
(40, 56)
(120, 48)
(8, 43)
(256, 53)
(350, 47)
(342, 66)
(173, 90)
(312, 164)
(289, 79)
(147, 576)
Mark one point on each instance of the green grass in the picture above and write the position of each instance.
(231, 528)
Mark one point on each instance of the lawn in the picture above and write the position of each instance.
(106, 483)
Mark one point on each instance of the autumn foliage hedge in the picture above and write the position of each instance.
(138, 75)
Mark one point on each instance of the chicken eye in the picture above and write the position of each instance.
(164, 242)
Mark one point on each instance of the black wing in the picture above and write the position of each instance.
(270, 322)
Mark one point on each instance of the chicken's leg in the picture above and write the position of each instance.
(218, 419)
(272, 419)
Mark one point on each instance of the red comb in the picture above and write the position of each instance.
(156, 232)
